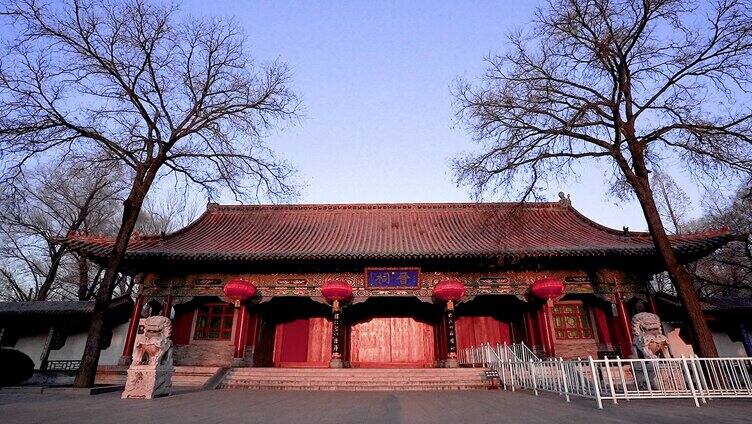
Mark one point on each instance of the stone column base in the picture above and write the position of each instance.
(238, 362)
(336, 363)
(451, 363)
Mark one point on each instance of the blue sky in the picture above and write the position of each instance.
(375, 78)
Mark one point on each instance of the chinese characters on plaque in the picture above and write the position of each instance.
(392, 278)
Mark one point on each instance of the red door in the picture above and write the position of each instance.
(392, 342)
(294, 343)
(477, 330)
(304, 342)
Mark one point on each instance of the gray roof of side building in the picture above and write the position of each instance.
(64, 309)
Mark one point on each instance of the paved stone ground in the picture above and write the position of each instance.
(244, 406)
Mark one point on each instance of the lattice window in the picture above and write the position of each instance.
(214, 322)
(571, 321)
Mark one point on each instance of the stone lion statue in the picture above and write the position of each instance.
(649, 341)
(153, 346)
(150, 373)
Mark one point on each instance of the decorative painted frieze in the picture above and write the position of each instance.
(419, 284)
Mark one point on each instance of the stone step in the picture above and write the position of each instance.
(358, 375)
(359, 378)
(393, 383)
(362, 371)
(337, 378)
(361, 388)
(355, 379)
(183, 376)
(351, 383)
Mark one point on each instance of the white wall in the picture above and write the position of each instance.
(32, 345)
(728, 348)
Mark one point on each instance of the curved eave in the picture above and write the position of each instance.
(687, 251)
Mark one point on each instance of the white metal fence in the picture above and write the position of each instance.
(699, 379)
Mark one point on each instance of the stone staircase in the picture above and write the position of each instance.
(183, 376)
(355, 379)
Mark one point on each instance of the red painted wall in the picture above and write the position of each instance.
(476, 330)
(181, 327)
(603, 325)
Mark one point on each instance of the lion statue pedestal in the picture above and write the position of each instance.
(150, 373)
(650, 343)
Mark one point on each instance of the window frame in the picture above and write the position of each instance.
(583, 328)
(199, 333)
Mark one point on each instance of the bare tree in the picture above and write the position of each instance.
(169, 209)
(47, 203)
(727, 271)
(672, 201)
(146, 88)
(627, 85)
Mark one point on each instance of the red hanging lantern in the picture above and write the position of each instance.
(547, 288)
(336, 290)
(449, 291)
(239, 291)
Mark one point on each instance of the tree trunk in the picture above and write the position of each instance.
(681, 279)
(87, 371)
(83, 278)
(49, 279)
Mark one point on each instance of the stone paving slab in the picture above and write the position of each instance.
(248, 406)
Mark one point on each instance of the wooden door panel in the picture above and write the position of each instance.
(465, 332)
(294, 343)
(319, 340)
(370, 341)
(477, 330)
(429, 348)
(394, 340)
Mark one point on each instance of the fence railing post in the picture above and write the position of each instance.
(564, 379)
(689, 381)
(658, 378)
(598, 400)
(532, 378)
(698, 379)
(622, 377)
(610, 380)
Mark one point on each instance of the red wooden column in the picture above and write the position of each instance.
(239, 291)
(547, 289)
(652, 303)
(130, 338)
(625, 330)
(167, 306)
(532, 337)
(336, 359)
(545, 322)
(335, 291)
(451, 358)
(241, 335)
(450, 291)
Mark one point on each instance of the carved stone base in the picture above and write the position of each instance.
(451, 363)
(336, 363)
(147, 382)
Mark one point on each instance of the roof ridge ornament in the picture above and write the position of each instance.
(565, 200)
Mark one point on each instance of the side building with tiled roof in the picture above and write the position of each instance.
(393, 257)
